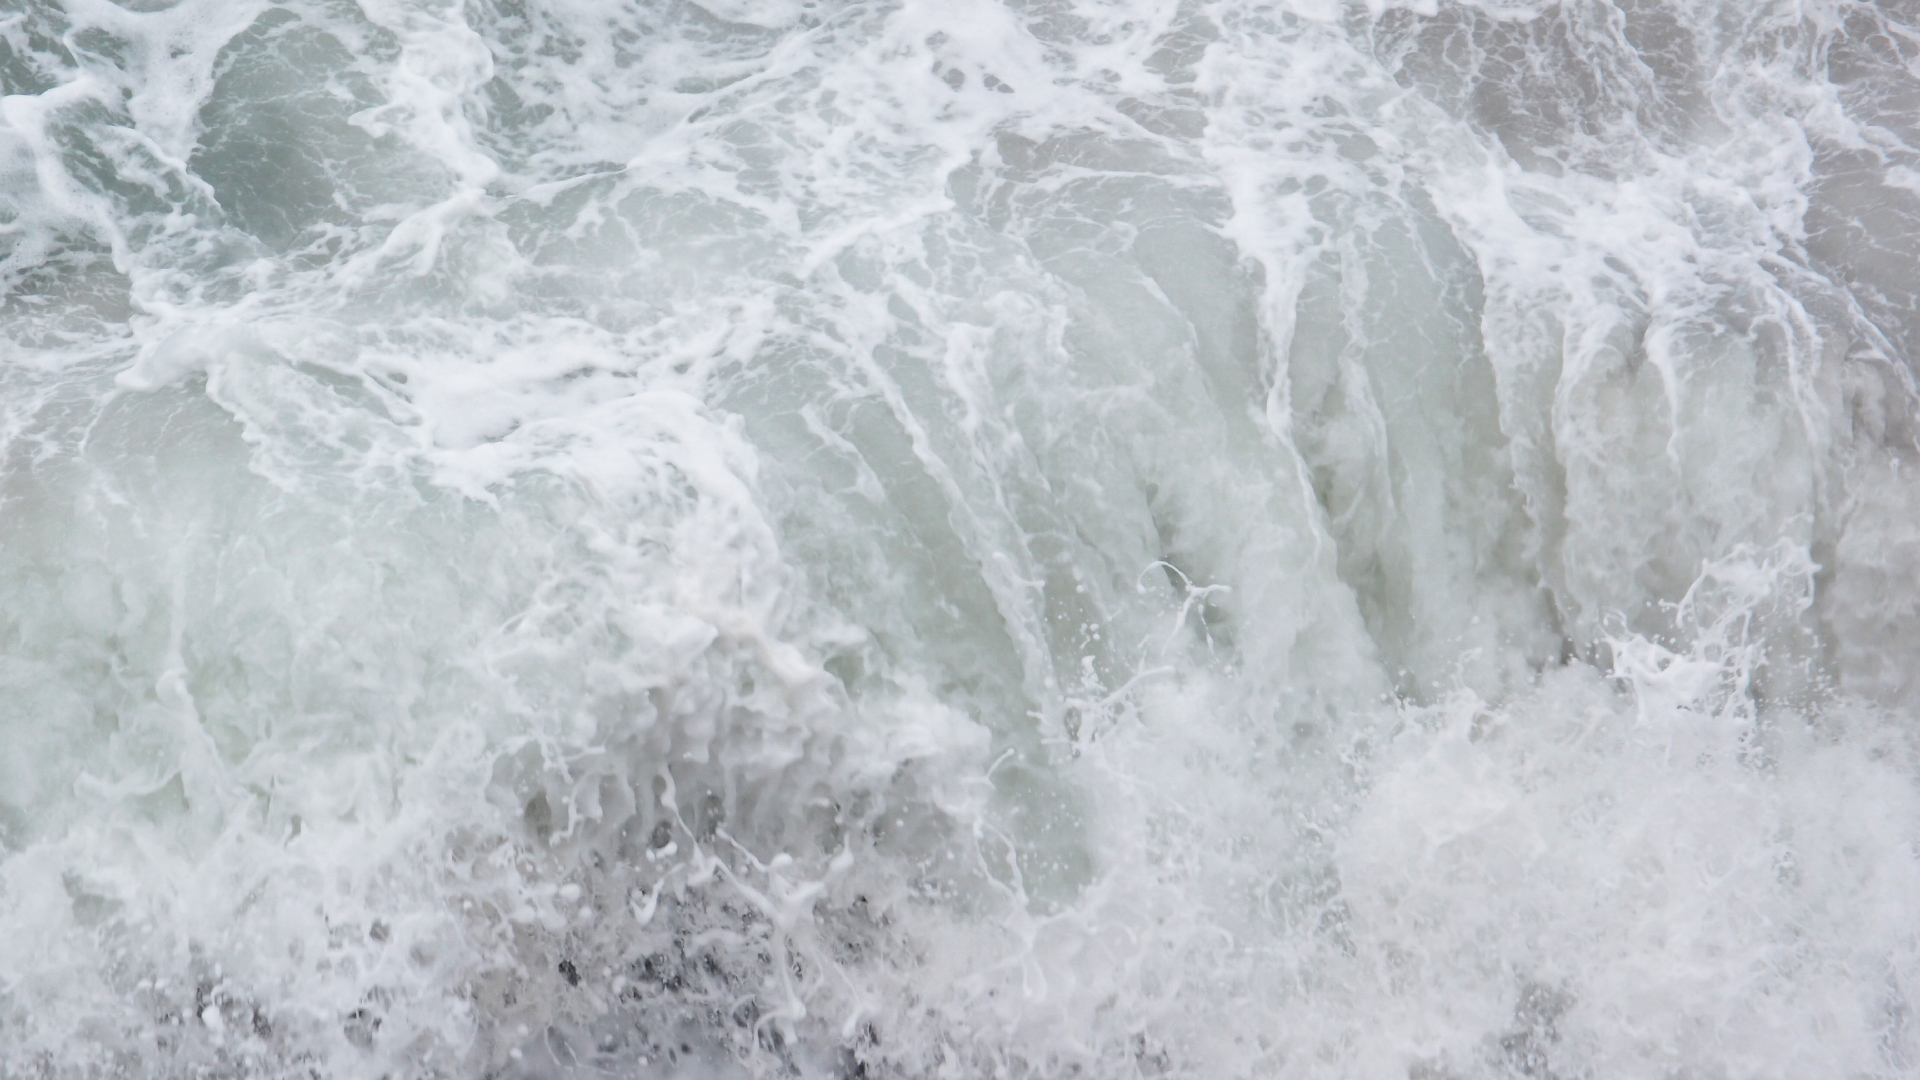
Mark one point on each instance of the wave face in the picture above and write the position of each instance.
(959, 538)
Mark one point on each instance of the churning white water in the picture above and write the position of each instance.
(959, 538)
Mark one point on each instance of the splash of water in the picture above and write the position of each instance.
(1103, 538)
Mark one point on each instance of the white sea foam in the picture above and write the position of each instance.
(1096, 538)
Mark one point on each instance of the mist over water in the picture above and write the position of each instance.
(959, 538)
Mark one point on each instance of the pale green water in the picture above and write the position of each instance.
(963, 539)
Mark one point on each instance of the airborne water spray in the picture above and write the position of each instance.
(1092, 538)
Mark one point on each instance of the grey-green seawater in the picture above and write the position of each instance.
(959, 539)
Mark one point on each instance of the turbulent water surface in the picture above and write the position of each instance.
(959, 538)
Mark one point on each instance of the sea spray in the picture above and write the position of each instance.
(1106, 538)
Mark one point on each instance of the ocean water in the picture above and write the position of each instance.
(875, 539)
